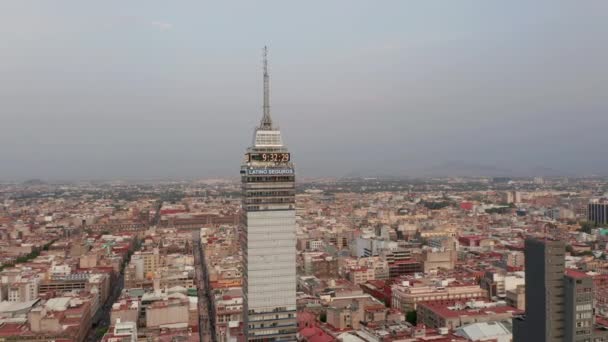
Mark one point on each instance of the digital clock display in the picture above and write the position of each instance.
(269, 157)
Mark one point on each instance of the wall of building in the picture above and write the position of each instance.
(172, 313)
(128, 315)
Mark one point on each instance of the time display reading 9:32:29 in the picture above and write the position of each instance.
(269, 157)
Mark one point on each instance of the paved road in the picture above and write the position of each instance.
(206, 324)
(102, 317)
(156, 218)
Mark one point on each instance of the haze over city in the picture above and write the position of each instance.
(158, 90)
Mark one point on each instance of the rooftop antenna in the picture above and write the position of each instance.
(266, 120)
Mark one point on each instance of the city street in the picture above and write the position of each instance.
(206, 321)
(102, 317)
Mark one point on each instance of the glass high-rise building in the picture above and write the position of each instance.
(597, 211)
(268, 233)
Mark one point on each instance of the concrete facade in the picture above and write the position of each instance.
(544, 318)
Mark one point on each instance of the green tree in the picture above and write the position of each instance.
(435, 205)
(323, 317)
(412, 317)
(498, 210)
(586, 226)
(99, 332)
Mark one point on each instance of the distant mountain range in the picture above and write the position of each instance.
(466, 169)
(462, 169)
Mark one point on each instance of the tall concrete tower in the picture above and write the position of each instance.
(559, 307)
(268, 233)
(544, 318)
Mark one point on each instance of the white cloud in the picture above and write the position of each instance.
(163, 26)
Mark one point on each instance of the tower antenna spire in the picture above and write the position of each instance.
(266, 120)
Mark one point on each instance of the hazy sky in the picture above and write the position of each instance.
(172, 89)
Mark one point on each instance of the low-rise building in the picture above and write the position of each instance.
(348, 312)
(457, 314)
(406, 296)
(67, 318)
(359, 275)
(125, 310)
(171, 310)
(517, 297)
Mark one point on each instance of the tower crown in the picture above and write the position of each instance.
(266, 135)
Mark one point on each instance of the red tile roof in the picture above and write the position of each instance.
(444, 310)
(576, 274)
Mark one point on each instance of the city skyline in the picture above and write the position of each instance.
(450, 185)
(149, 93)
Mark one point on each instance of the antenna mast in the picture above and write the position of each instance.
(266, 120)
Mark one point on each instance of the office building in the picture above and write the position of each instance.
(268, 234)
(597, 211)
(559, 307)
(513, 197)
(579, 306)
(544, 318)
